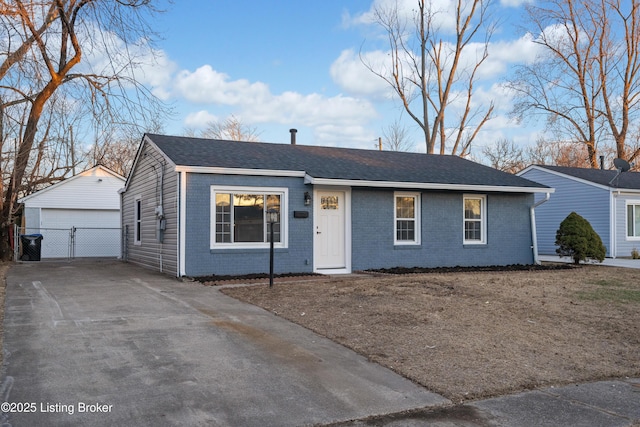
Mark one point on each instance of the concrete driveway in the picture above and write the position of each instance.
(108, 343)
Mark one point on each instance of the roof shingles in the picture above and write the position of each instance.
(335, 163)
(609, 178)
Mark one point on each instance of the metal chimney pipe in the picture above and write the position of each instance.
(293, 136)
(602, 162)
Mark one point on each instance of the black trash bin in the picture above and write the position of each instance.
(31, 247)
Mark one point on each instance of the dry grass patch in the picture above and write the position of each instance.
(475, 335)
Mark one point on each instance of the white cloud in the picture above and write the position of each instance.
(352, 76)
(502, 54)
(309, 110)
(349, 72)
(157, 73)
(254, 102)
(357, 135)
(199, 119)
(208, 86)
(515, 3)
(137, 60)
(442, 10)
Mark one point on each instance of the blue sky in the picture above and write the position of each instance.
(284, 64)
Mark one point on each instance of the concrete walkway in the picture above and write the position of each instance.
(107, 343)
(598, 404)
(611, 262)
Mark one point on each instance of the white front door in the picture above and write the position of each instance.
(329, 248)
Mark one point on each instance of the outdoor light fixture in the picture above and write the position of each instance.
(272, 218)
(307, 198)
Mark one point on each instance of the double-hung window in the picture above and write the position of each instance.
(633, 220)
(239, 217)
(475, 219)
(407, 218)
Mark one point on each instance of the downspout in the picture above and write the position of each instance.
(182, 228)
(613, 224)
(159, 211)
(534, 233)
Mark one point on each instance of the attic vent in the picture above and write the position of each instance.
(293, 136)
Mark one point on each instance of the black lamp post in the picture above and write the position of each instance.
(272, 218)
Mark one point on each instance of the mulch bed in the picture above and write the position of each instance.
(458, 269)
(258, 278)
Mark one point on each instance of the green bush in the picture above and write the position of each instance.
(577, 239)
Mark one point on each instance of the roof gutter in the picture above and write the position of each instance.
(240, 171)
(308, 179)
(534, 232)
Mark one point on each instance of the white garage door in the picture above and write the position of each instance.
(80, 233)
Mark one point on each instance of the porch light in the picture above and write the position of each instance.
(307, 198)
(272, 218)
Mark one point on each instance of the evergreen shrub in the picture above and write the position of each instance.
(577, 239)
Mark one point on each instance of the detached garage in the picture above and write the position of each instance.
(77, 217)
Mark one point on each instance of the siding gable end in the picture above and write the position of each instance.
(590, 200)
(96, 188)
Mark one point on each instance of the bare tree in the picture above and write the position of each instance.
(395, 138)
(44, 45)
(619, 72)
(117, 155)
(511, 157)
(505, 155)
(232, 129)
(115, 149)
(558, 153)
(586, 80)
(427, 70)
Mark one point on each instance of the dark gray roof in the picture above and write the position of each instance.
(626, 180)
(335, 163)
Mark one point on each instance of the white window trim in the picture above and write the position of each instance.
(417, 219)
(483, 219)
(137, 236)
(626, 220)
(284, 217)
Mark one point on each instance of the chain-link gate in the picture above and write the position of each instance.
(70, 243)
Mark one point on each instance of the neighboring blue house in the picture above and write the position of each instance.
(610, 202)
(194, 207)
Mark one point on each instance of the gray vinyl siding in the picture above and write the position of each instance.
(145, 183)
(588, 201)
(441, 243)
(201, 260)
(624, 244)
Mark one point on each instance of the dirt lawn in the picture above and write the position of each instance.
(475, 335)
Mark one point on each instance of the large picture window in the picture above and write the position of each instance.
(240, 216)
(474, 219)
(406, 218)
(633, 220)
